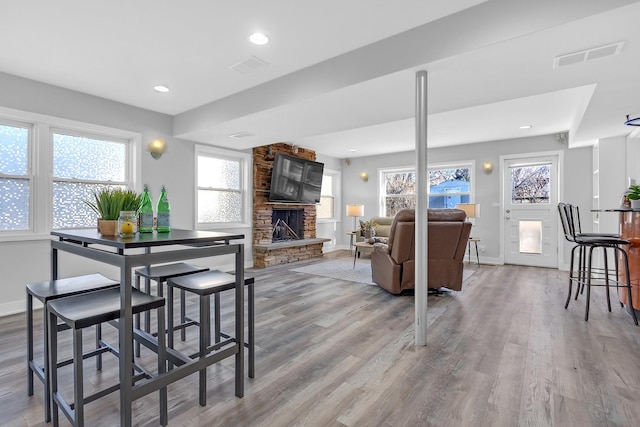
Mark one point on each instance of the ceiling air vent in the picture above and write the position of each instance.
(240, 135)
(587, 54)
(248, 65)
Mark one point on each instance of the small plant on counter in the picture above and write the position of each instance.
(109, 202)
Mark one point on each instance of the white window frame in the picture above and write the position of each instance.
(470, 164)
(127, 182)
(336, 177)
(41, 157)
(245, 186)
(462, 164)
(29, 175)
(382, 187)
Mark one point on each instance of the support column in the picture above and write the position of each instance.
(422, 179)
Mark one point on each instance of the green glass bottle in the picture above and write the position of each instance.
(163, 211)
(145, 212)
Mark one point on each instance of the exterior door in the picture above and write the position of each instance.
(530, 210)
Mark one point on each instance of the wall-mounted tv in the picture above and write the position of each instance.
(295, 180)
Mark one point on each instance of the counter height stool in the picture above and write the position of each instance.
(204, 285)
(49, 291)
(160, 274)
(585, 274)
(79, 312)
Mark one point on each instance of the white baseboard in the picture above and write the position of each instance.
(15, 307)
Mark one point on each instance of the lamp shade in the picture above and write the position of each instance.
(355, 210)
(471, 209)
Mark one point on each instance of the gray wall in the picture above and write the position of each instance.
(576, 173)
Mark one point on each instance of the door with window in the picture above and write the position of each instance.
(530, 211)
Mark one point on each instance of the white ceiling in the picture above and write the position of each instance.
(340, 75)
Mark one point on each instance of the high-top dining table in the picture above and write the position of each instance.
(128, 253)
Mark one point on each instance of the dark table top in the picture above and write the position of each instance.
(145, 240)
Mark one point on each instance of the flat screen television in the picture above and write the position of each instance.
(295, 180)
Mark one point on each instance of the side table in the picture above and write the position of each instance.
(352, 234)
(475, 242)
(361, 247)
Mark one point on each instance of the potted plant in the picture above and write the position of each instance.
(634, 196)
(108, 203)
(368, 228)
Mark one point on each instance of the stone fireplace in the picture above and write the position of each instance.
(300, 219)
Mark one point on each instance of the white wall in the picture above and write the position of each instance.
(24, 262)
(577, 172)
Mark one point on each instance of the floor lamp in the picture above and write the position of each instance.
(355, 211)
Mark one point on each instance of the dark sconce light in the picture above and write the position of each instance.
(632, 122)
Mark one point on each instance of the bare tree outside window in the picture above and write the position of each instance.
(530, 184)
(400, 191)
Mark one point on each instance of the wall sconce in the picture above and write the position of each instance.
(487, 167)
(364, 176)
(157, 148)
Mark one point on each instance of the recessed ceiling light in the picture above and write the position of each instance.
(353, 150)
(259, 39)
(526, 127)
(161, 89)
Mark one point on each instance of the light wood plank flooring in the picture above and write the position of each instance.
(503, 352)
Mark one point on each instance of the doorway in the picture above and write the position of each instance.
(530, 198)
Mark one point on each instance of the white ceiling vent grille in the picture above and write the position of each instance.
(249, 65)
(240, 135)
(588, 54)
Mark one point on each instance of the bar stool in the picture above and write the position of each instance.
(585, 269)
(85, 310)
(160, 274)
(204, 285)
(45, 292)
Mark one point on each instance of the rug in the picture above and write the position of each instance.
(342, 269)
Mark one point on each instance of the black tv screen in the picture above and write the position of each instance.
(295, 180)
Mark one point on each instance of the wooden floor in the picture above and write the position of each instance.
(502, 352)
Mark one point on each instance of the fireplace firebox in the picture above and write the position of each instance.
(287, 224)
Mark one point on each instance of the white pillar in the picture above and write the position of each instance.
(422, 179)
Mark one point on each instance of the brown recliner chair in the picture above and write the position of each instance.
(393, 264)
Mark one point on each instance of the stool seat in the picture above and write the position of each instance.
(50, 289)
(85, 310)
(160, 274)
(204, 285)
(81, 311)
(45, 292)
(208, 283)
(163, 272)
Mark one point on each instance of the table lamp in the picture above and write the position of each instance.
(471, 209)
(355, 211)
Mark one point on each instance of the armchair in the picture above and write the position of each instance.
(393, 264)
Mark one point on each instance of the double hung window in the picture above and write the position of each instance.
(16, 180)
(449, 185)
(49, 167)
(83, 164)
(221, 187)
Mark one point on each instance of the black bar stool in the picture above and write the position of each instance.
(160, 274)
(49, 291)
(204, 285)
(585, 274)
(85, 310)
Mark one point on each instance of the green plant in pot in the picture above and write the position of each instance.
(634, 196)
(108, 203)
